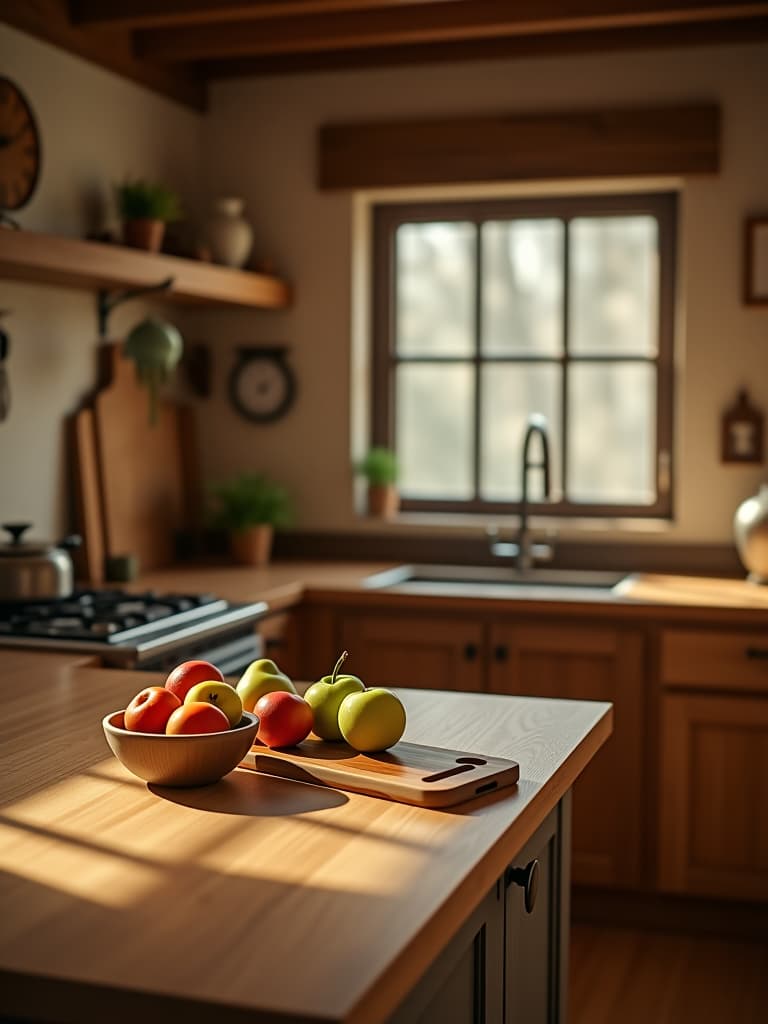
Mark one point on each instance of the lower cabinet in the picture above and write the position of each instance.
(713, 829)
(508, 963)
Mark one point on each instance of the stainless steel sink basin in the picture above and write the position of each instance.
(495, 579)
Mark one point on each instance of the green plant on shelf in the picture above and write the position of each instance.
(379, 466)
(142, 200)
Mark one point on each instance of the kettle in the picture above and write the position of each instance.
(35, 570)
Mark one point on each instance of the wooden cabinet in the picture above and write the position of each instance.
(426, 652)
(508, 964)
(583, 662)
(279, 633)
(713, 830)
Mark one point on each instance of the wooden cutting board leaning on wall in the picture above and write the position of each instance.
(136, 483)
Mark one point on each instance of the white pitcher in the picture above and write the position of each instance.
(230, 236)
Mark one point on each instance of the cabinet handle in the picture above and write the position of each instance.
(470, 652)
(501, 652)
(528, 879)
(757, 653)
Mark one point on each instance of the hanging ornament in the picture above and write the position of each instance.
(156, 347)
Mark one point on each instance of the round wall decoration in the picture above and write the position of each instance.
(19, 147)
(261, 384)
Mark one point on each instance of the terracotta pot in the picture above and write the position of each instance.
(383, 500)
(144, 234)
(253, 545)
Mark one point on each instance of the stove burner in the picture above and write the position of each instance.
(101, 614)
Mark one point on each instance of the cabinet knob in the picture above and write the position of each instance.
(757, 653)
(501, 652)
(470, 652)
(528, 879)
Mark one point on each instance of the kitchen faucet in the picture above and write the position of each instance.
(523, 550)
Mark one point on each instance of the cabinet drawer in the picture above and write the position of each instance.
(731, 661)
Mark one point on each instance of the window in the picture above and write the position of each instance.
(487, 312)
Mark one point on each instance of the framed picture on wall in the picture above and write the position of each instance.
(756, 261)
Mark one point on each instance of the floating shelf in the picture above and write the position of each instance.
(73, 263)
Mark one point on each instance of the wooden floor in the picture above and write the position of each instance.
(627, 976)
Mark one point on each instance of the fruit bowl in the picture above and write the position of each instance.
(187, 760)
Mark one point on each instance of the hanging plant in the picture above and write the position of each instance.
(155, 347)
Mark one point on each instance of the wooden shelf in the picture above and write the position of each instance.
(73, 263)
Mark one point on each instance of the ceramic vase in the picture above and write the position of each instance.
(253, 545)
(230, 236)
(750, 527)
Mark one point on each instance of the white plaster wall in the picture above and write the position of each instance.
(97, 129)
(260, 143)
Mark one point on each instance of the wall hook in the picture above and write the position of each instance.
(106, 300)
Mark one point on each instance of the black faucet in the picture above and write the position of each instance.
(523, 550)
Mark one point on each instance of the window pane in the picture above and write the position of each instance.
(614, 285)
(522, 287)
(612, 438)
(435, 293)
(509, 394)
(434, 430)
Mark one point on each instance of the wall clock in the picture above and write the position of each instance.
(19, 147)
(262, 385)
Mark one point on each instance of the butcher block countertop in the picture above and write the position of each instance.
(256, 899)
(284, 584)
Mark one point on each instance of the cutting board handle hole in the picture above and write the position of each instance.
(470, 760)
(448, 773)
(485, 788)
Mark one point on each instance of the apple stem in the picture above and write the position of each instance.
(337, 666)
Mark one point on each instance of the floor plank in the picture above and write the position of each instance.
(645, 977)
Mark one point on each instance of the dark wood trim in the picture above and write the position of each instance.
(670, 913)
(49, 20)
(421, 546)
(751, 225)
(514, 147)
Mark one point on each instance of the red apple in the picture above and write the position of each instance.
(285, 719)
(189, 674)
(150, 710)
(196, 717)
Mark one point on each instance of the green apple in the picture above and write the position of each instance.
(325, 697)
(222, 695)
(372, 720)
(262, 676)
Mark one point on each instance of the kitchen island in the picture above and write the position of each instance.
(262, 899)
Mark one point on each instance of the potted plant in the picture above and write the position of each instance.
(380, 468)
(250, 506)
(145, 209)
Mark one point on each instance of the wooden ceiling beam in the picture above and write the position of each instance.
(134, 14)
(548, 45)
(423, 23)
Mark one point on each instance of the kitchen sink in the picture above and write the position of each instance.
(482, 579)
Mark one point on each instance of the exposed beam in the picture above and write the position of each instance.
(49, 20)
(424, 23)
(513, 147)
(652, 37)
(152, 13)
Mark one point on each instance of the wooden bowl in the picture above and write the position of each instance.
(195, 760)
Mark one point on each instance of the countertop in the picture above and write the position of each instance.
(284, 584)
(255, 899)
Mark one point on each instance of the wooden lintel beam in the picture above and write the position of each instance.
(516, 147)
(423, 23)
(153, 13)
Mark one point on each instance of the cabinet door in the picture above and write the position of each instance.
(465, 984)
(426, 652)
(536, 940)
(589, 663)
(713, 827)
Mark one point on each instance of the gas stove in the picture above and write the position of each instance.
(139, 630)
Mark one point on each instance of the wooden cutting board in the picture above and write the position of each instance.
(409, 773)
(146, 491)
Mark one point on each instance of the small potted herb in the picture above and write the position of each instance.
(380, 468)
(145, 209)
(250, 507)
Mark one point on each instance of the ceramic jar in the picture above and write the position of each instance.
(750, 526)
(230, 236)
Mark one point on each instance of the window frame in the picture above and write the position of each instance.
(387, 217)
